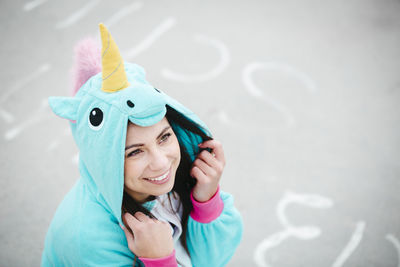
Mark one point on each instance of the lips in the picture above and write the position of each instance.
(159, 179)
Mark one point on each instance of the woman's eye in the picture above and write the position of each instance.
(165, 137)
(134, 153)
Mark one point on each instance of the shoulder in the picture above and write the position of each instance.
(83, 232)
(101, 239)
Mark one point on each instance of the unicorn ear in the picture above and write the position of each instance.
(65, 107)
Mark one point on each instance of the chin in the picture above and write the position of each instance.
(161, 187)
(165, 188)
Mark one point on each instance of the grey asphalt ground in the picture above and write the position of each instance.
(304, 95)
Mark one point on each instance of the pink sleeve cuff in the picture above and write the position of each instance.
(205, 212)
(168, 261)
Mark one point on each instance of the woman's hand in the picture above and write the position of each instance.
(151, 238)
(207, 169)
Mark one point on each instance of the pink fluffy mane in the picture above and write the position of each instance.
(87, 62)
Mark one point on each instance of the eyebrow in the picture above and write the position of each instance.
(138, 145)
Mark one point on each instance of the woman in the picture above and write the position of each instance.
(148, 193)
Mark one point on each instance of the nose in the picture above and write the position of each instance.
(158, 161)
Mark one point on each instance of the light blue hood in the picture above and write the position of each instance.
(102, 145)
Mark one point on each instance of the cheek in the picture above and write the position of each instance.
(132, 170)
(176, 149)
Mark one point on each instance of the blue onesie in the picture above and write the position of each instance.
(85, 230)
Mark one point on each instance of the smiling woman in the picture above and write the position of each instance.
(152, 156)
(159, 164)
(149, 189)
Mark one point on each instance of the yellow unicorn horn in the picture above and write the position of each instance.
(113, 71)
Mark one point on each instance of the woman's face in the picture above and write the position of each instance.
(152, 156)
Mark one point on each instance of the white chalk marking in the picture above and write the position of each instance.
(151, 38)
(34, 118)
(55, 143)
(33, 4)
(8, 117)
(220, 115)
(123, 12)
(396, 245)
(275, 66)
(217, 70)
(311, 200)
(76, 16)
(267, 244)
(75, 159)
(24, 81)
(302, 232)
(351, 246)
(14, 132)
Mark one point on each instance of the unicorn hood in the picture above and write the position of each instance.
(99, 114)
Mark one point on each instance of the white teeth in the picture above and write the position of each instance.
(159, 178)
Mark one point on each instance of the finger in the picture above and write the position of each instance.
(208, 158)
(199, 175)
(141, 216)
(168, 226)
(204, 167)
(216, 146)
(130, 220)
(128, 234)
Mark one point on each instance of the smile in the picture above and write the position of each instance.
(160, 179)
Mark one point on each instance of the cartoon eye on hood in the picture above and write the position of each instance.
(96, 119)
(99, 115)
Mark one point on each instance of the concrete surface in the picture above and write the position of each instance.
(304, 95)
